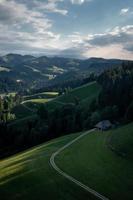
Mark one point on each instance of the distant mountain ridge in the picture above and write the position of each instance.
(36, 72)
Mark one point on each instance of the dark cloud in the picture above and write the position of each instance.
(123, 36)
(129, 47)
(74, 52)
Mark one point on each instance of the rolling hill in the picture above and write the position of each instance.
(37, 72)
(121, 142)
(29, 175)
(87, 91)
(84, 94)
(94, 163)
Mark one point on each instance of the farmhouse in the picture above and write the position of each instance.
(103, 125)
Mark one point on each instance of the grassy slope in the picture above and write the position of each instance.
(38, 101)
(29, 176)
(91, 161)
(122, 141)
(22, 111)
(88, 91)
(42, 95)
(85, 94)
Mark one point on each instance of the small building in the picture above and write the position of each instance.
(103, 125)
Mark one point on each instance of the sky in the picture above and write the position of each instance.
(68, 28)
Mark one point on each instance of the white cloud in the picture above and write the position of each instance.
(114, 43)
(79, 2)
(50, 6)
(28, 29)
(24, 28)
(118, 35)
(18, 15)
(124, 11)
(111, 51)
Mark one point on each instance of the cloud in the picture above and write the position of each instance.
(17, 15)
(111, 51)
(124, 11)
(118, 36)
(73, 52)
(50, 6)
(115, 43)
(24, 28)
(79, 2)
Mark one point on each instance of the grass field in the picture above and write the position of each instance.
(42, 95)
(85, 94)
(88, 91)
(29, 106)
(29, 176)
(90, 160)
(122, 141)
(38, 101)
(27, 111)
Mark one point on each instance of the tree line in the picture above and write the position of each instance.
(7, 102)
(114, 102)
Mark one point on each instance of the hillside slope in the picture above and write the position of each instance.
(90, 160)
(84, 94)
(29, 176)
(89, 90)
(39, 72)
(121, 141)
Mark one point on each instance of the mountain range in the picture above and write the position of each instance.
(37, 72)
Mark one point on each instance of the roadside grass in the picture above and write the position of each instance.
(29, 176)
(91, 161)
(121, 141)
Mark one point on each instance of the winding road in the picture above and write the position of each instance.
(67, 176)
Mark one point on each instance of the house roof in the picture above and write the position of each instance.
(103, 124)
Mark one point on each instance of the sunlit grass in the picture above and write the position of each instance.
(38, 100)
(92, 162)
(29, 176)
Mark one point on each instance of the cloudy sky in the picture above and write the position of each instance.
(70, 28)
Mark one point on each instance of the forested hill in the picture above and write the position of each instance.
(111, 97)
(18, 72)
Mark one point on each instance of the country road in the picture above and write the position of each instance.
(67, 176)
